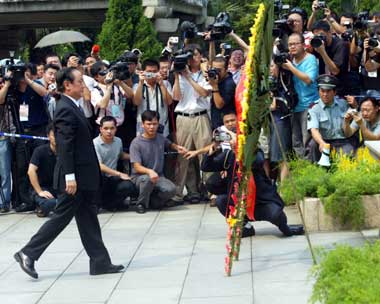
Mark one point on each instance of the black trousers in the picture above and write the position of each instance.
(269, 212)
(83, 208)
(115, 190)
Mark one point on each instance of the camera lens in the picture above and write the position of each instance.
(316, 42)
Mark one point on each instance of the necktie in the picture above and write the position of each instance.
(81, 109)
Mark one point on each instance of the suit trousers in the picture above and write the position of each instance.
(192, 133)
(82, 207)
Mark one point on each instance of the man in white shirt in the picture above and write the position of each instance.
(191, 89)
(151, 94)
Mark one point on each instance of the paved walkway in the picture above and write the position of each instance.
(172, 257)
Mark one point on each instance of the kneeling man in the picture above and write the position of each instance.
(147, 157)
(117, 186)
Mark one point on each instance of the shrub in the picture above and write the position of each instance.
(348, 275)
(340, 188)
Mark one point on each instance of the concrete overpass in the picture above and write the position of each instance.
(20, 18)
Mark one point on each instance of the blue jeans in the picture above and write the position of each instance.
(5, 171)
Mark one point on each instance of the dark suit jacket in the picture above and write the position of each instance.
(75, 149)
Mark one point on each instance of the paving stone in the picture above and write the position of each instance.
(175, 256)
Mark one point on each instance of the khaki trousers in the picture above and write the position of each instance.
(193, 133)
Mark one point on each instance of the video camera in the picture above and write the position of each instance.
(281, 26)
(279, 7)
(361, 22)
(120, 71)
(181, 60)
(189, 29)
(18, 70)
(221, 27)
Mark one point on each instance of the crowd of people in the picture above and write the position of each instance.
(156, 124)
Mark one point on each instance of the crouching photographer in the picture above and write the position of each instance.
(269, 205)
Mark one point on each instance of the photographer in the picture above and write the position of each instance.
(331, 52)
(281, 120)
(107, 96)
(193, 124)
(305, 72)
(268, 205)
(223, 91)
(6, 125)
(371, 73)
(316, 7)
(151, 94)
(32, 100)
(367, 120)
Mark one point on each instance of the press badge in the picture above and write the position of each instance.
(24, 112)
(115, 109)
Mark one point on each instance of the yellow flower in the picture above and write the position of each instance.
(231, 221)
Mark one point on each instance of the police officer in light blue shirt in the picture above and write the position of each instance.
(325, 120)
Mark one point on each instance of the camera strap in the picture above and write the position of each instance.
(111, 98)
(157, 92)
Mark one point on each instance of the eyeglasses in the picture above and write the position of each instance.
(294, 21)
(294, 44)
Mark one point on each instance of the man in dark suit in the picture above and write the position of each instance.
(77, 177)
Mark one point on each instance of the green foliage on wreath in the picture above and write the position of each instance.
(347, 275)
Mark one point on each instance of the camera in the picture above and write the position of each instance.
(322, 4)
(279, 7)
(317, 41)
(52, 87)
(373, 42)
(361, 22)
(220, 135)
(18, 70)
(347, 35)
(212, 73)
(221, 27)
(150, 75)
(120, 71)
(181, 60)
(281, 58)
(352, 111)
(189, 29)
(282, 27)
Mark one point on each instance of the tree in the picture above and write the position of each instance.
(126, 28)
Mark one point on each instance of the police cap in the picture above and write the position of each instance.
(327, 82)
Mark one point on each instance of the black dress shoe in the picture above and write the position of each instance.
(110, 269)
(140, 209)
(297, 229)
(248, 231)
(24, 208)
(26, 264)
